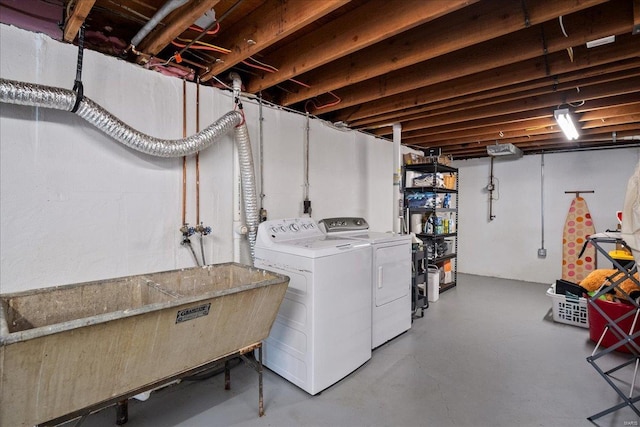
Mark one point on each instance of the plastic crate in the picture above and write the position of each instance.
(614, 310)
(568, 309)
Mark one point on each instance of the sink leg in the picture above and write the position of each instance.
(227, 376)
(260, 398)
(122, 412)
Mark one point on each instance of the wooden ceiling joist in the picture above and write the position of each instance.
(538, 87)
(460, 110)
(349, 33)
(625, 51)
(498, 52)
(498, 18)
(270, 23)
(551, 101)
(77, 17)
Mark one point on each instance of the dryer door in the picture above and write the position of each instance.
(392, 273)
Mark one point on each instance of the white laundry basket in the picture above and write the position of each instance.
(568, 309)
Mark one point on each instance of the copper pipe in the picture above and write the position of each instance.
(198, 153)
(184, 158)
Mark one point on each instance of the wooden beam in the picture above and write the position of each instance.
(77, 17)
(538, 140)
(511, 74)
(502, 120)
(518, 121)
(611, 121)
(349, 33)
(636, 17)
(492, 54)
(484, 21)
(607, 113)
(270, 23)
(532, 130)
(588, 111)
(551, 100)
(523, 91)
(176, 24)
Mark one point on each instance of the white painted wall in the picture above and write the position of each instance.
(508, 246)
(77, 206)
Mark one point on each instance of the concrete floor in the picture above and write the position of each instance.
(486, 354)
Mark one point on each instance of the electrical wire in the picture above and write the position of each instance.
(164, 63)
(209, 32)
(263, 64)
(197, 44)
(300, 83)
(270, 69)
(562, 26)
(330, 104)
(259, 67)
(221, 82)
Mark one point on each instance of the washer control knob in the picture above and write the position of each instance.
(294, 228)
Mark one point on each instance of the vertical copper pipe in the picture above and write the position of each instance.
(198, 153)
(184, 158)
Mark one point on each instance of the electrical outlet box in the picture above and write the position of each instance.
(542, 252)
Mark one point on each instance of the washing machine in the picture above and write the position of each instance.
(390, 273)
(322, 331)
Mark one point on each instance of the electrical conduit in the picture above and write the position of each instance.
(20, 93)
(166, 9)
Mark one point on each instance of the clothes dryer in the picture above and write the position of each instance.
(322, 331)
(390, 273)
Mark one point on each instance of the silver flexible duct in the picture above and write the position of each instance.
(20, 93)
(245, 158)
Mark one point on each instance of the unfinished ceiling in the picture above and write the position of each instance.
(458, 75)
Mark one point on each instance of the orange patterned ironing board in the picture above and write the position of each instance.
(577, 227)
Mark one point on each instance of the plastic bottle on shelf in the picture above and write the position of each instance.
(452, 223)
(430, 225)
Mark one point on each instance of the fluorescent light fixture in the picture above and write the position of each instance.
(566, 123)
(600, 42)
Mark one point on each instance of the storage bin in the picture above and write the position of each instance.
(613, 309)
(568, 309)
(450, 182)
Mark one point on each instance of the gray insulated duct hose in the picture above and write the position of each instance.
(245, 158)
(20, 93)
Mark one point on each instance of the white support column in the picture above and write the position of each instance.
(397, 177)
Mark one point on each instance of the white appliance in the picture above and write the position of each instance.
(322, 331)
(390, 273)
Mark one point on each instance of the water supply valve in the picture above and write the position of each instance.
(203, 229)
(186, 232)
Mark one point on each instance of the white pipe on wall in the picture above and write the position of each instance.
(238, 228)
(397, 176)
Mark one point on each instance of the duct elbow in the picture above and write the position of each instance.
(236, 83)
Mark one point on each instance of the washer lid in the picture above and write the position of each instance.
(318, 247)
(377, 237)
(301, 236)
